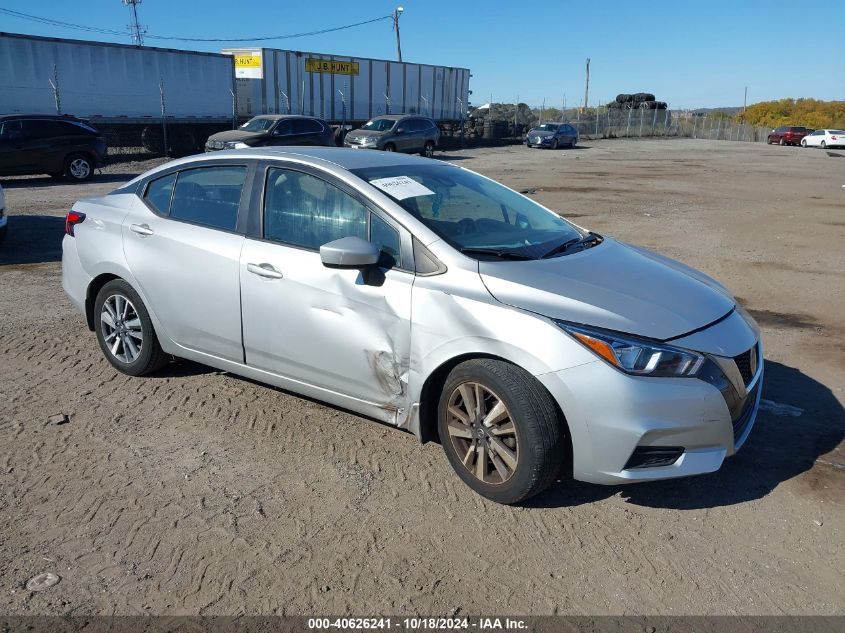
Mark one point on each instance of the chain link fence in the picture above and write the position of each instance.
(508, 123)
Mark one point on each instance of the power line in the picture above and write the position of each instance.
(94, 29)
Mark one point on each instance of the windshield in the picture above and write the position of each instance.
(548, 127)
(471, 212)
(379, 125)
(258, 124)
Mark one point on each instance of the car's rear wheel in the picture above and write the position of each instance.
(390, 147)
(500, 430)
(803, 143)
(428, 150)
(79, 168)
(125, 331)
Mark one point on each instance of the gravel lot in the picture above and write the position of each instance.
(195, 491)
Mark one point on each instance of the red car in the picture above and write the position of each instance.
(787, 135)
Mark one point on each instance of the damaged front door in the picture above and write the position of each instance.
(347, 331)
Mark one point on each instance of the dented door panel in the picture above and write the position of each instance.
(340, 330)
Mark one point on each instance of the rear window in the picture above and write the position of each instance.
(209, 196)
(306, 126)
(837, 131)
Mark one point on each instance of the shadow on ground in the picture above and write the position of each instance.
(32, 239)
(778, 449)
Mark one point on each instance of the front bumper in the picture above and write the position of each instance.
(610, 414)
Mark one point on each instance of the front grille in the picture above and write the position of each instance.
(746, 364)
(744, 418)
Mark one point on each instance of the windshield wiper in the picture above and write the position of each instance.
(590, 238)
(494, 253)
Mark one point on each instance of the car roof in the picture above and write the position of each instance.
(46, 117)
(277, 117)
(326, 157)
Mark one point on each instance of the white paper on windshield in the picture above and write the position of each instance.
(401, 187)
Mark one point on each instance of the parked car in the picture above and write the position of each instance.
(552, 135)
(396, 133)
(429, 297)
(787, 135)
(274, 129)
(824, 138)
(54, 145)
(3, 219)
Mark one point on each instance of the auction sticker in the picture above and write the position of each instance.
(401, 187)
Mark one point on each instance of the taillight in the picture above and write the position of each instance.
(832, 138)
(73, 218)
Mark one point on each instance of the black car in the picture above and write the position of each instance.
(274, 129)
(49, 144)
(552, 135)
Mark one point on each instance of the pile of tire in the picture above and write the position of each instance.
(644, 100)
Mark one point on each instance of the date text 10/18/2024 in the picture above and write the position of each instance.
(418, 624)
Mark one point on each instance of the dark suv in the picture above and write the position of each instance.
(45, 144)
(396, 133)
(274, 129)
(787, 135)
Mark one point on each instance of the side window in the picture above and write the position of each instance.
(159, 191)
(386, 238)
(283, 128)
(209, 196)
(306, 126)
(302, 210)
(11, 130)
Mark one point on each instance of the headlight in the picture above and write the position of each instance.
(368, 140)
(636, 356)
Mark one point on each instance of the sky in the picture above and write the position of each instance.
(689, 54)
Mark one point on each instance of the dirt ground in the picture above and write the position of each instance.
(195, 491)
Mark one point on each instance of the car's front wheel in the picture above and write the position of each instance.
(823, 145)
(125, 331)
(782, 142)
(554, 144)
(390, 147)
(500, 430)
(428, 149)
(79, 168)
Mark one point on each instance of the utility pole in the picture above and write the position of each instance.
(136, 28)
(745, 101)
(396, 13)
(587, 85)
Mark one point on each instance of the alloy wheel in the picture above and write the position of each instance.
(121, 327)
(79, 168)
(483, 433)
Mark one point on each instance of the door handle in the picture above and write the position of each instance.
(141, 229)
(268, 271)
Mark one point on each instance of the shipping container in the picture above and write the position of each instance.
(344, 89)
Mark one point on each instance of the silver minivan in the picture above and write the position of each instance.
(426, 296)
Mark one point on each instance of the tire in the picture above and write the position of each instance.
(782, 142)
(554, 144)
(79, 168)
(823, 145)
(533, 447)
(390, 147)
(428, 150)
(148, 357)
(803, 143)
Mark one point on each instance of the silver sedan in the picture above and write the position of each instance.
(428, 297)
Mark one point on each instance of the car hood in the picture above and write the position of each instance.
(236, 135)
(366, 133)
(614, 286)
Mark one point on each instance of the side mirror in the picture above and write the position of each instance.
(349, 252)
